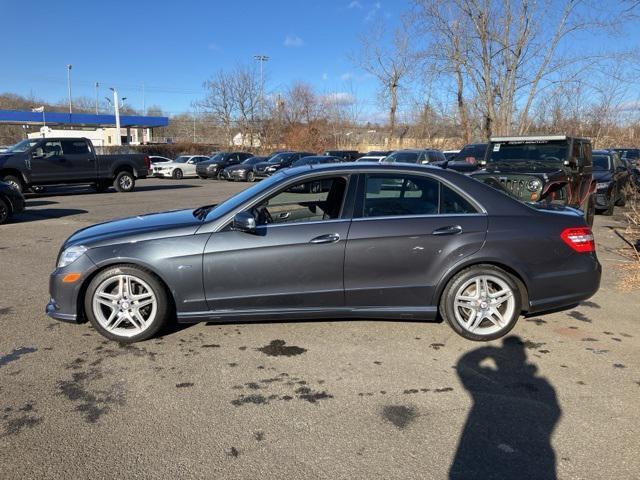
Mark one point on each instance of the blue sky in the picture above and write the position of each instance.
(174, 46)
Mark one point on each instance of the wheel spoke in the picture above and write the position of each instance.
(500, 300)
(136, 318)
(474, 320)
(119, 317)
(495, 317)
(461, 303)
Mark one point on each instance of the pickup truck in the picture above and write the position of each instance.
(34, 163)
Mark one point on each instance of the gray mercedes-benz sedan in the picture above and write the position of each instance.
(338, 241)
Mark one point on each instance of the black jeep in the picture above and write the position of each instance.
(554, 169)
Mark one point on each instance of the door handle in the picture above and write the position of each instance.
(450, 230)
(284, 215)
(328, 238)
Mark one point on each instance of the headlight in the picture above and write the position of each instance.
(70, 255)
(534, 185)
(602, 186)
(212, 167)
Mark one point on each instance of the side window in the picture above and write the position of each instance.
(453, 202)
(394, 195)
(308, 201)
(52, 149)
(75, 147)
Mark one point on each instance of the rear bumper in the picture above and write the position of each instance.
(566, 288)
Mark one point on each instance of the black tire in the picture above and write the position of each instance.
(163, 305)
(220, 175)
(15, 181)
(251, 177)
(590, 211)
(447, 300)
(124, 182)
(609, 210)
(177, 174)
(5, 211)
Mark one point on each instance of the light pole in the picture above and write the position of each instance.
(261, 59)
(97, 92)
(69, 67)
(117, 112)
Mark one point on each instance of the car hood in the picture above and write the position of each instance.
(132, 229)
(170, 164)
(602, 175)
(6, 156)
(232, 168)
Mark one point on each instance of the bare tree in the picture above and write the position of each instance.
(218, 101)
(390, 61)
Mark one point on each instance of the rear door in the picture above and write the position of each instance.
(408, 229)
(79, 162)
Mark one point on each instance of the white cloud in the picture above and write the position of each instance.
(375, 8)
(339, 98)
(354, 4)
(293, 41)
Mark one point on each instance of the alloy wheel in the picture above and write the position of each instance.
(484, 305)
(124, 305)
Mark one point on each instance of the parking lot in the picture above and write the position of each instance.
(313, 399)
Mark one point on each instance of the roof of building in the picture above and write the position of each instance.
(19, 117)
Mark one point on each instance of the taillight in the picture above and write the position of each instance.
(147, 161)
(580, 239)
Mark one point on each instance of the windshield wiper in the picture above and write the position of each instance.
(201, 212)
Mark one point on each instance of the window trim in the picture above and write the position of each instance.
(358, 209)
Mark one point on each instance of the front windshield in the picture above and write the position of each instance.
(217, 157)
(254, 160)
(552, 152)
(182, 159)
(601, 162)
(22, 146)
(239, 198)
(403, 157)
(280, 157)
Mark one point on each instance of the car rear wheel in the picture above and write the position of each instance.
(14, 181)
(127, 304)
(177, 174)
(481, 303)
(124, 182)
(251, 177)
(5, 211)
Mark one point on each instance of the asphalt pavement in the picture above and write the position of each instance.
(314, 399)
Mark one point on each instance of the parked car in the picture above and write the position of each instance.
(243, 171)
(469, 159)
(214, 166)
(450, 154)
(34, 163)
(4, 148)
(374, 156)
(415, 156)
(631, 154)
(380, 241)
(554, 169)
(278, 162)
(183, 166)
(157, 160)
(343, 155)
(611, 175)
(11, 201)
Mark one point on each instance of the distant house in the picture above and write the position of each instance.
(240, 140)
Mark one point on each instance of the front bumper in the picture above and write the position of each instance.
(264, 173)
(65, 298)
(236, 175)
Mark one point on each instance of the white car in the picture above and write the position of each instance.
(183, 166)
(157, 160)
(371, 158)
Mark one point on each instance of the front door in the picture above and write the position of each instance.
(295, 258)
(47, 162)
(408, 229)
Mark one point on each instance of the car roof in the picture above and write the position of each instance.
(533, 138)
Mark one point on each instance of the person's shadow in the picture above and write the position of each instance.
(508, 431)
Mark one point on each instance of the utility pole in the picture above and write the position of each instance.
(117, 112)
(261, 59)
(97, 87)
(69, 66)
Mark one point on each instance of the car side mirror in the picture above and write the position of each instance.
(244, 222)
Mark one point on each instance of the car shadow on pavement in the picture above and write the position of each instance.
(508, 430)
(64, 191)
(45, 214)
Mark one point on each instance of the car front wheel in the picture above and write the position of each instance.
(251, 177)
(481, 303)
(14, 182)
(5, 211)
(126, 303)
(177, 174)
